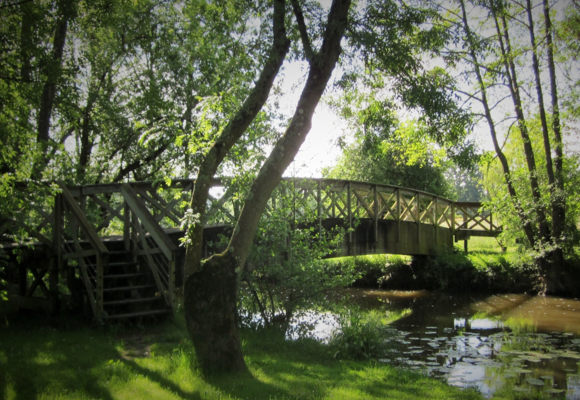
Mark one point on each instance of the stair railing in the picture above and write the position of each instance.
(71, 219)
(150, 241)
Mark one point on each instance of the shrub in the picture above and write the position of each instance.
(361, 335)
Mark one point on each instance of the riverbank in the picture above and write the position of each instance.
(485, 268)
(64, 359)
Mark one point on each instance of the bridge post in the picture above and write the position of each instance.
(453, 218)
(418, 219)
(126, 226)
(58, 231)
(348, 206)
(319, 207)
(398, 216)
(56, 263)
(435, 221)
(376, 215)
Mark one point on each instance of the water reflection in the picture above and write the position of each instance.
(520, 342)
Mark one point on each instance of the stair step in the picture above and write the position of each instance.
(115, 264)
(121, 264)
(130, 301)
(119, 276)
(138, 314)
(118, 252)
(127, 288)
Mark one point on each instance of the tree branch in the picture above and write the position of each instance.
(303, 31)
(15, 4)
(140, 162)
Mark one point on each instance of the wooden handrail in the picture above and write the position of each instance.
(152, 227)
(87, 228)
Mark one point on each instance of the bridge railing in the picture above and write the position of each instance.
(78, 243)
(108, 212)
(32, 214)
(352, 200)
(150, 241)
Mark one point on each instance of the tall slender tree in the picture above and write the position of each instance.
(497, 53)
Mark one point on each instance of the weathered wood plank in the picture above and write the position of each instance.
(152, 227)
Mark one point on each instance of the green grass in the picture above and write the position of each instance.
(41, 359)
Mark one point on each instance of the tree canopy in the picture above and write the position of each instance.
(404, 158)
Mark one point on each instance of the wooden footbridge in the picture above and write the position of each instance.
(115, 247)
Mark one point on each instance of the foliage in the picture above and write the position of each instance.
(143, 89)
(455, 271)
(467, 183)
(504, 208)
(284, 272)
(395, 80)
(487, 268)
(372, 269)
(403, 157)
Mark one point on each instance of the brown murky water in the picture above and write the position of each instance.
(521, 342)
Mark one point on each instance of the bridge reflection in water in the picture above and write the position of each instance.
(120, 242)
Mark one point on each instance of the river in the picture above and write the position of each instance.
(511, 341)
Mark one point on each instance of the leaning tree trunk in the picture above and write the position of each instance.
(233, 132)
(211, 291)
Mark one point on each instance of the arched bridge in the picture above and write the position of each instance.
(118, 244)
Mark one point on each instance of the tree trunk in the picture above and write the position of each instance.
(552, 264)
(540, 93)
(559, 200)
(528, 230)
(510, 71)
(212, 317)
(213, 323)
(53, 73)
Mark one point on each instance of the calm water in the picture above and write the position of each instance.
(526, 343)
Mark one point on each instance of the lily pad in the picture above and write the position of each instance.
(535, 382)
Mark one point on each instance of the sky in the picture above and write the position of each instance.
(319, 149)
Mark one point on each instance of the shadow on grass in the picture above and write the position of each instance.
(47, 357)
(35, 359)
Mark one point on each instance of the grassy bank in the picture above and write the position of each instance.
(44, 359)
(486, 267)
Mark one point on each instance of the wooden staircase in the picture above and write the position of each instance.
(122, 277)
(129, 289)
